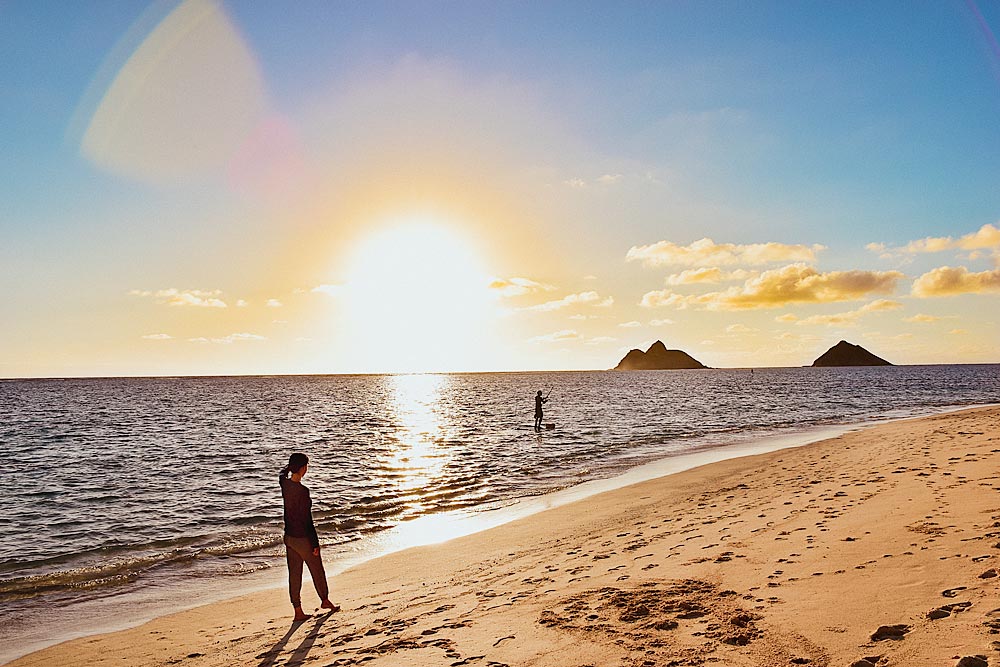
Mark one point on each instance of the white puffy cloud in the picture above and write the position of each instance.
(273, 303)
(707, 253)
(157, 336)
(660, 322)
(630, 325)
(739, 328)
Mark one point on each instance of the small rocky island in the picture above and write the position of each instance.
(846, 354)
(657, 358)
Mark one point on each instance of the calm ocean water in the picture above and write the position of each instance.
(126, 487)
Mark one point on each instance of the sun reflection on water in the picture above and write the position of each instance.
(417, 457)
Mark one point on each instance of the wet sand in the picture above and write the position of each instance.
(882, 544)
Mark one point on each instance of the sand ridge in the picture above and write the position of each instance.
(878, 547)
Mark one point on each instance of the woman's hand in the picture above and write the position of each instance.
(316, 551)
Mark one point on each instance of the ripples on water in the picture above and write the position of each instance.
(110, 482)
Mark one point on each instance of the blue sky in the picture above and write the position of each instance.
(840, 124)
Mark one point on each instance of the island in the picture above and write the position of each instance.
(657, 358)
(847, 354)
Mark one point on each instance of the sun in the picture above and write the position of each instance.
(417, 300)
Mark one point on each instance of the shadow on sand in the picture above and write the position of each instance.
(302, 650)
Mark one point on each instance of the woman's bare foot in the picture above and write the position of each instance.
(300, 615)
(329, 605)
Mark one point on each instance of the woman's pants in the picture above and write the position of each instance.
(299, 550)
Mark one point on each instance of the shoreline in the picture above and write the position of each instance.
(437, 528)
(705, 461)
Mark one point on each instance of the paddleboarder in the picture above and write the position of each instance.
(538, 409)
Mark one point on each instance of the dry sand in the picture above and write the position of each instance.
(793, 557)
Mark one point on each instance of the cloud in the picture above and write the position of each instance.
(518, 286)
(630, 325)
(851, 318)
(958, 332)
(575, 183)
(660, 322)
(558, 336)
(800, 338)
(581, 298)
(986, 237)
(176, 297)
(273, 303)
(581, 316)
(787, 317)
(706, 275)
(879, 305)
(609, 179)
(739, 329)
(241, 303)
(920, 317)
(949, 281)
(227, 340)
(157, 336)
(328, 289)
(795, 283)
(662, 298)
(706, 253)
(600, 340)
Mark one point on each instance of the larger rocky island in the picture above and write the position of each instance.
(846, 354)
(657, 358)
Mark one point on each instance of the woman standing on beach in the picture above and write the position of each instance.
(301, 540)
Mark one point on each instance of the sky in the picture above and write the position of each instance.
(202, 188)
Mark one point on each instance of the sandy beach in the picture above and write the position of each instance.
(881, 545)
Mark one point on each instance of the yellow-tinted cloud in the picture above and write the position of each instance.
(630, 325)
(986, 237)
(706, 275)
(949, 281)
(795, 283)
(787, 317)
(227, 340)
(707, 253)
(191, 297)
(851, 318)
(518, 286)
(558, 336)
(157, 336)
(920, 317)
(581, 298)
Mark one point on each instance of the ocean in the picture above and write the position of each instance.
(126, 497)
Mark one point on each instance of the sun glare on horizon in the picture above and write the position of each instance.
(416, 300)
